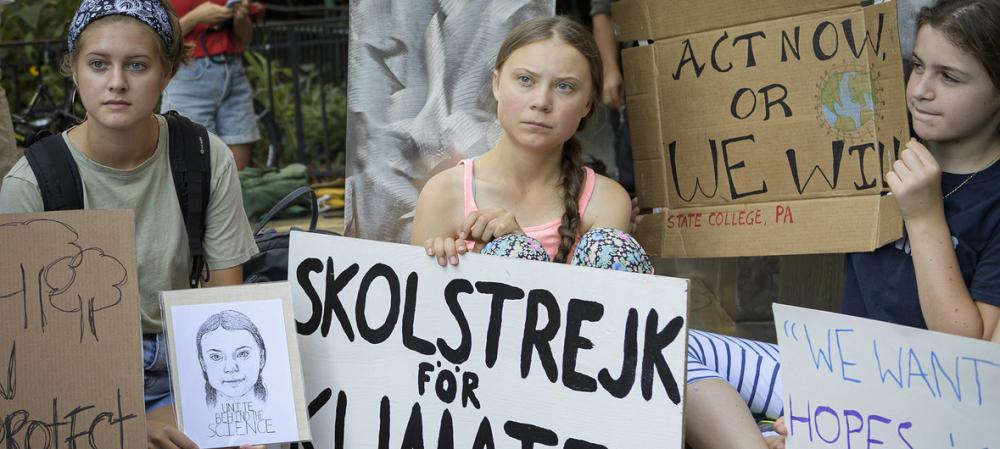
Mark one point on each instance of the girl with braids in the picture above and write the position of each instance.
(530, 196)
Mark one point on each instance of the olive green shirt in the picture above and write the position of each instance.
(164, 260)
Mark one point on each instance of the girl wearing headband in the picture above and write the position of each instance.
(122, 53)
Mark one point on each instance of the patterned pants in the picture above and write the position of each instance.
(606, 248)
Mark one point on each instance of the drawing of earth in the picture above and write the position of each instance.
(846, 100)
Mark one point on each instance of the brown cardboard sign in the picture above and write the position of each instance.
(764, 128)
(70, 345)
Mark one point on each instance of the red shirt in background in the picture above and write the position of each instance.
(222, 42)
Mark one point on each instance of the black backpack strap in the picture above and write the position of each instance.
(191, 166)
(57, 174)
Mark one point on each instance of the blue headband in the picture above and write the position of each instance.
(150, 12)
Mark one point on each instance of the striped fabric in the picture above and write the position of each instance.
(753, 368)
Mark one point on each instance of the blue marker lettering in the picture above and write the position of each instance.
(919, 373)
(825, 409)
(847, 424)
(818, 355)
(888, 371)
(879, 419)
(804, 418)
(936, 368)
(843, 361)
(899, 431)
(975, 365)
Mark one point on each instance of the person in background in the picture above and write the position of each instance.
(613, 92)
(213, 89)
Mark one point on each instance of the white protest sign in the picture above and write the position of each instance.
(235, 366)
(399, 352)
(854, 382)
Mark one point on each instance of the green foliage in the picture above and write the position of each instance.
(311, 90)
(34, 20)
(28, 20)
(38, 20)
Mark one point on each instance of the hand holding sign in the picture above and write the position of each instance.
(778, 441)
(915, 180)
(161, 432)
(743, 115)
(446, 249)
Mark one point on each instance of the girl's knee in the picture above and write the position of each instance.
(611, 249)
(517, 246)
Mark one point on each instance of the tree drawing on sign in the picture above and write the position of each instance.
(86, 299)
(60, 274)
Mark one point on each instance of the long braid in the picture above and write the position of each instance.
(572, 181)
(572, 33)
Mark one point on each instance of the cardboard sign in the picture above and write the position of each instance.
(400, 352)
(70, 345)
(234, 365)
(763, 127)
(853, 382)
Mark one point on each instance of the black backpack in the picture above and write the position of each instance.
(271, 263)
(190, 164)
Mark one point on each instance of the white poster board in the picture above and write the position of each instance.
(400, 352)
(854, 382)
(234, 365)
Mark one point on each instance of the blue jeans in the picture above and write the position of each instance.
(216, 95)
(156, 376)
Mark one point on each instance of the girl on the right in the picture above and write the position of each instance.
(944, 274)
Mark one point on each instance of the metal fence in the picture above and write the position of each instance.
(320, 44)
(317, 44)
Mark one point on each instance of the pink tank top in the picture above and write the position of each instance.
(547, 234)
